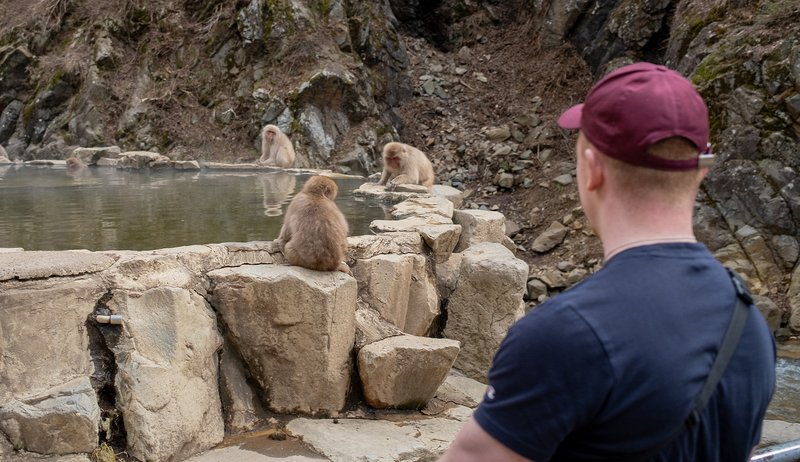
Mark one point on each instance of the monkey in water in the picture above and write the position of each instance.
(405, 164)
(314, 232)
(73, 163)
(276, 148)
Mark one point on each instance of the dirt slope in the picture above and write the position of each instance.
(518, 72)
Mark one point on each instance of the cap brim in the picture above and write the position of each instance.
(571, 118)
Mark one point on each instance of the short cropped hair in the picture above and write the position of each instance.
(643, 181)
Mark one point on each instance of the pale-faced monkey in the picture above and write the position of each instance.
(276, 148)
(405, 164)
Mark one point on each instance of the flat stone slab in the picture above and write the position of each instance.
(259, 447)
(390, 436)
(380, 440)
(380, 193)
(43, 264)
(256, 166)
(778, 431)
(242, 454)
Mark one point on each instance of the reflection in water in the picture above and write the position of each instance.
(277, 188)
(78, 172)
(41, 208)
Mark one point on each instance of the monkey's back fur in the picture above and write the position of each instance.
(317, 230)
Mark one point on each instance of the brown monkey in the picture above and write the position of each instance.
(405, 164)
(73, 163)
(276, 148)
(314, 232)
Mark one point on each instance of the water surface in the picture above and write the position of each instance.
(785, 403)
(51, 208)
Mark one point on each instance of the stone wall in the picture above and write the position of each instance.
(206, 340)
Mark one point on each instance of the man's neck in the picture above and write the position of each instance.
(621, 232)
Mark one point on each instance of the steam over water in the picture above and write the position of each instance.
(51, 208)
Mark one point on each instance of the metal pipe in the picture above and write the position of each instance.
(784, 452)
(109, 319)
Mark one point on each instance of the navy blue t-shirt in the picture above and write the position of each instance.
(610, 367)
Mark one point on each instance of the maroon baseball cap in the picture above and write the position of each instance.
(636, 106)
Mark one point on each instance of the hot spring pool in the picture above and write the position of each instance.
(51, 208)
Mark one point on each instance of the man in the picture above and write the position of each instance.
(610, 369)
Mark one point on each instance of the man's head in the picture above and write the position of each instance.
(636, 106)
(644, 130)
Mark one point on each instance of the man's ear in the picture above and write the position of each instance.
(595, 169)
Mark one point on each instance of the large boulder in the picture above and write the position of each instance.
(92, 155)
(486, 301)
(404, 371)
(372, 327)
(138, 160)
(53, 309)
(295, 330)
(22, 265)
(167, 382)
(442, 239)
(479, 226)
(62, 420)
(142, 271)
(240, 401)
(363, 247)
(433, 207)
(402, 289)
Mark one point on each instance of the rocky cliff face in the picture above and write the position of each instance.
(744, 57)
(198, 78)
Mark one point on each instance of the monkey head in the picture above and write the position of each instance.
(321, 186)
(394, 156)
(271, 132)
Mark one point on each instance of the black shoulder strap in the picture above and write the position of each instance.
(729, 341)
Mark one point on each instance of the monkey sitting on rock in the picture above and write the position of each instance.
(276, 148)
(314, 232)
(405, 164)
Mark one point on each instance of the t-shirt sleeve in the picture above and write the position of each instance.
(549, 377)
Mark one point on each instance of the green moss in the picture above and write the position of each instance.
(11, 38)
(296, 127)
(710, 69)
(57, 76)
(272, 10)
(104, 453)
(780, 7)
(698, 23)
(28, 110)
(268, 18)
(324, 8)
(382, 130)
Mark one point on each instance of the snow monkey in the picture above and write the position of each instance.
(276, 148)
(73, 163)
(404, 164)
(314, 232)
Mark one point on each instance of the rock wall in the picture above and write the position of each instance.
(162, 352)
(744, 57)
